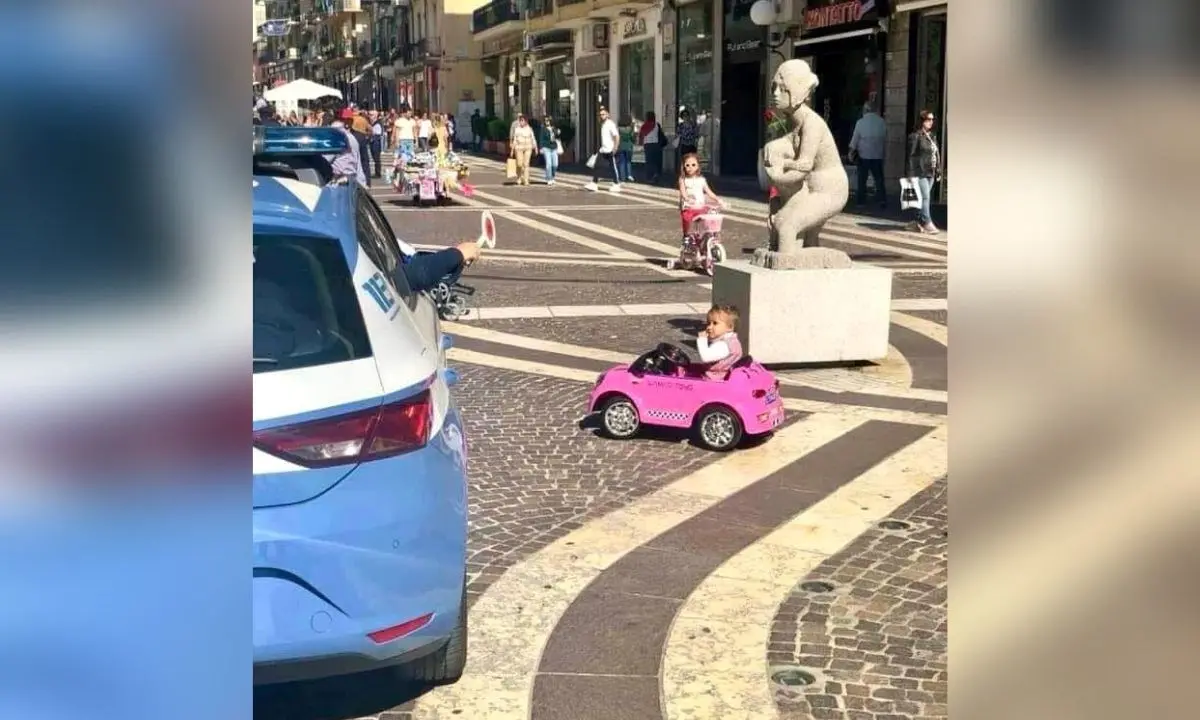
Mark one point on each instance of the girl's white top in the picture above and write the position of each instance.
(694, 191)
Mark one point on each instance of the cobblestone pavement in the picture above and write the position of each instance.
(869, 624)
(536, 474)
(547, 494)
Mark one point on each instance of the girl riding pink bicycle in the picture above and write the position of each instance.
(700, 217)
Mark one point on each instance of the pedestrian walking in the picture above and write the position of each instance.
(687, 142)
(924, 165)
(360, 128)
(625, 150)
(866, 151)
(550, 146)
(348, 165)
(376, 143)
(523, 144)
(652, 138)
(406, 134)
(424, 131)
(451, 132)
(478, 128)
(605, 157)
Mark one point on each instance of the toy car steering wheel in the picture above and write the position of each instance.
(673, 354)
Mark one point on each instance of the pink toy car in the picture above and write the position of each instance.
(664, 387)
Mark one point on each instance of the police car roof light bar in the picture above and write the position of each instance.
(279, 140)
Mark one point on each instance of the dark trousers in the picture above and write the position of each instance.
(376, 156)
(423, 144)
(605, 161)
(364, 154)
(425, 270)
(654, 159)
(875, 169)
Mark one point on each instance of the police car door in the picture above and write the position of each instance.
(422, 308)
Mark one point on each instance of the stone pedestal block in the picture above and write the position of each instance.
(808, 316)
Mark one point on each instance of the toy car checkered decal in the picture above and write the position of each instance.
(666, 415)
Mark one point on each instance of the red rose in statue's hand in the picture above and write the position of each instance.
(772, 193)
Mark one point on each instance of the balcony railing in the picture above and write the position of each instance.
(497, 12)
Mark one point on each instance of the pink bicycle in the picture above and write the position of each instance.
(701, 248)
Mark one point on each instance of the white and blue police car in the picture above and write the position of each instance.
(360, 465)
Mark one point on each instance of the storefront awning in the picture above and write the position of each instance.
(912, 5)
(837, 36)
(551, 59)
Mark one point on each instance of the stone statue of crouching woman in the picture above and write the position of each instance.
(806, 170)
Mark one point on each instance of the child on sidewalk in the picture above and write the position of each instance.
(695, 196)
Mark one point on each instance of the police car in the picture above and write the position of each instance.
(360, 466)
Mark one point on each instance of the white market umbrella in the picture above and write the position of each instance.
(299, 90)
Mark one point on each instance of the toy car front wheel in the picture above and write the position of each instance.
(719, 428)
(619, 417)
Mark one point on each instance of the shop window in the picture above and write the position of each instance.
(694, 75)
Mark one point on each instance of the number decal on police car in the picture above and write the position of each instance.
(378, 289)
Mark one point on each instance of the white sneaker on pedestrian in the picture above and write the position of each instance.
(615, 188)
(591, 187)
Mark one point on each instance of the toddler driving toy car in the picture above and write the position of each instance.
(721, 400)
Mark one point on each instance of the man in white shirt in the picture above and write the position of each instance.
(866, 149)
(424, 130)
(610, 140)
(405, 132)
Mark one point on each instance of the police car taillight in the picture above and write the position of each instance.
(357, 437)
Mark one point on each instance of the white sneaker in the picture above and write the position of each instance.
(614, 188)
(591, 187)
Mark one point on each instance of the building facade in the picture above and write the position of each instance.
(710, 58)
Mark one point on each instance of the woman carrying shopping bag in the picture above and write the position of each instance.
(924, 169)
(523, 145)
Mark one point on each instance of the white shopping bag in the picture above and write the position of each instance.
(591, 162)
(910, 194)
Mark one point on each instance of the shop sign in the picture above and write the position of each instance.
(502, 46)
(593, 64)
(633, 27)
(836, 14)
(742, 50)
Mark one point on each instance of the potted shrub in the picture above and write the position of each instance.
(497, 136)
(566, 135)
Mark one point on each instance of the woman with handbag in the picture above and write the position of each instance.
(924, 166)
(550, 146)
(652, 138)
(522, 148)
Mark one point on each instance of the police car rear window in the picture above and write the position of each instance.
(306, 312)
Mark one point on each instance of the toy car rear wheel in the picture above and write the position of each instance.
(719, 428)
(619, 417)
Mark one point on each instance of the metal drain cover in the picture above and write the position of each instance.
(894, 525)
(816, 586)
(793, 677)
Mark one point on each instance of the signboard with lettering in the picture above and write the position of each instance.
(823, 17)
(594, 64)
(744, 41)
(634, 27)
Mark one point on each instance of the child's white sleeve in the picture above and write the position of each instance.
(711, 352)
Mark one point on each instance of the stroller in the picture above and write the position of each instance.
(701, 247)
